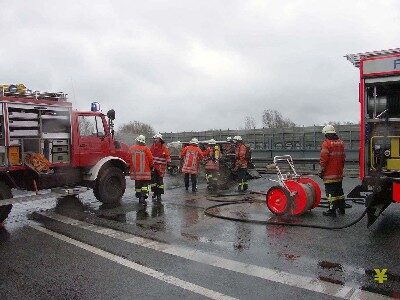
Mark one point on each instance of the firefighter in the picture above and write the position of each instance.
(142, 165)
(191, 155)
(241, 163)
(331, 170)
(229, 146)
(161, 158)
(212, 156)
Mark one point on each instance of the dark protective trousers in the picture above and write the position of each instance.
(242, 177)
(193, 177)
(157, 183)
(142, 188)
(334, 193)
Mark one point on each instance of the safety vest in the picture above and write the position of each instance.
(142, 162)
(161, 157)
(332, 160)
(191, 156)
(213, 154)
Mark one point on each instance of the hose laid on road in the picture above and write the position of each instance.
(208, 212)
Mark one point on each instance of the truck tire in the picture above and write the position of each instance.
(110, 185)
(5, 193)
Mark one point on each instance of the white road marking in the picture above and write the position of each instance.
(137, 267)
(299, 281)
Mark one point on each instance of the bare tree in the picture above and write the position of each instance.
(249, 123)
(129, 131)
(272, 118)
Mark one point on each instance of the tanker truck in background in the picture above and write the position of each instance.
(379, 97)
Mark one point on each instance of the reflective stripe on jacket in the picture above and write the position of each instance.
(212, 156)
(142, 162)
(332, 160)
(241, 161)
(161, 157)
(191, 157)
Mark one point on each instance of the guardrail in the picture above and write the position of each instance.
(310, 165)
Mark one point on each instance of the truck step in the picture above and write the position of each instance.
(54, 193)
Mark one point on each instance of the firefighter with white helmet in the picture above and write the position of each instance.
(191, 155)
(142, 164)
(161, 157)
(241, 162)
(212, 156)
(332, 160)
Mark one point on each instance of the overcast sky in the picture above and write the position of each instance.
(197, 65)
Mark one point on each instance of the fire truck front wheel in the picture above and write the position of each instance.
(110, 185)
(5, 193)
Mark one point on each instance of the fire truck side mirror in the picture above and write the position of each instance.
(111, 114)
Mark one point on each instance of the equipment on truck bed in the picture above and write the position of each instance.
(379, 97)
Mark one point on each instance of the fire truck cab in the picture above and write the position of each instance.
(78, 147)
(379, 96)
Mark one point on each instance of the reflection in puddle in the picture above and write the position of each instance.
(4, 234)
(70, 203)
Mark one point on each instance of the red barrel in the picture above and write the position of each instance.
(299, 195)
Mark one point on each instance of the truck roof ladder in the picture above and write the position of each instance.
(355, 58)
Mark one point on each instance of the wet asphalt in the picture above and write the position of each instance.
(35, 265)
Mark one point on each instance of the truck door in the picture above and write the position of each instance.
(93, 140)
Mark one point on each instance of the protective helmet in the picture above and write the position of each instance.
(237, 138)
(212, 142)
(229, 139)
(158, 136)
(141, 139)
(194, 141)
(328, 129)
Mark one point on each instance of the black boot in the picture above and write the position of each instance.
(194, 189)
(187, 188)
(142, 201)
(330, 212)
(153, 196)
(159, 198)
(342, 207)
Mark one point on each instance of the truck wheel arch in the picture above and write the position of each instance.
(94, 172)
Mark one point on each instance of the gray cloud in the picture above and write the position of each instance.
(192, 65)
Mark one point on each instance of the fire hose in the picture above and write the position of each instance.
(208, 212)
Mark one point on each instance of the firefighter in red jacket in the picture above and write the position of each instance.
(332, 160)
(241, 163)
(161, 158)
(212, 156)
(142, 165)
(191, 155)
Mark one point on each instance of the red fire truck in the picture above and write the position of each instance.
(78, 147)
(379, 96)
